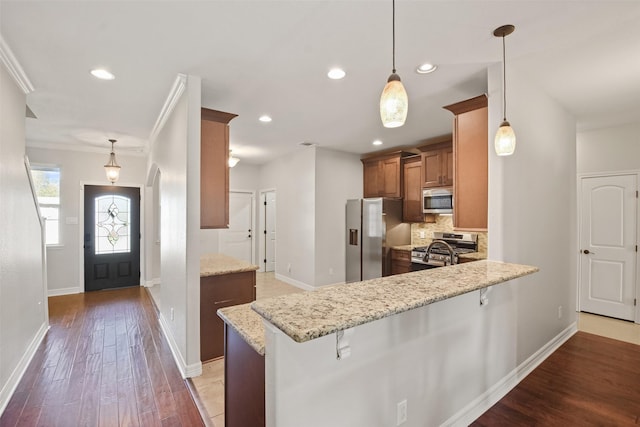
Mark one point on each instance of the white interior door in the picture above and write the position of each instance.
(236, 241)
(608, 246)
(268, 232)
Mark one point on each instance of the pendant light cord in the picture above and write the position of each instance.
(504, 83)
(393, 30)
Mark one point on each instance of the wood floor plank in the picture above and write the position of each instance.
(103, 362)
(589, 380)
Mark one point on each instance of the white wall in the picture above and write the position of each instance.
(445, 358)
(532, 206)
(338, 178)
(23, 300)
(64, 260)
(176, 152)
(293, 176)
(609, 149)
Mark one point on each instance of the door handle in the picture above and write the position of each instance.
(586, 252)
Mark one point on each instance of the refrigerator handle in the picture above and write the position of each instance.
(353, 236)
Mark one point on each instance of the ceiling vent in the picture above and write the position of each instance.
(308, 144)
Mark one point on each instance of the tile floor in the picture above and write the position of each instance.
(210, 385)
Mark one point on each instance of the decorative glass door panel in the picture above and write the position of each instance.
(113, 215)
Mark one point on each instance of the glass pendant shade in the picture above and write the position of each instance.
(111, 168)
(505, 142)
(394, 103)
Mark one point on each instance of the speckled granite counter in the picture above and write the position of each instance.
(407, 248)
(247, 323)
(473, 256)
(309, 315)
(217, 264)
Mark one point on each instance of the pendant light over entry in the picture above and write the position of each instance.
(505, 142)
(394, 103)
(111, 168)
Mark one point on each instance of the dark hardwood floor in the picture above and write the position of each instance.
(589, 381)
(104, 362)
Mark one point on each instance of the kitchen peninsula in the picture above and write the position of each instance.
(342, 341)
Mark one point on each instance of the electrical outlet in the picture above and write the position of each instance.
(289, 267)
(171, 313)
(330, 271)
(559, 312)
(423, 234)
(401, 414)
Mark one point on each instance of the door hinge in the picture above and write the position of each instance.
(265, 260)
(636, 248)
(634, 302)
(265, 203)
(265, 231)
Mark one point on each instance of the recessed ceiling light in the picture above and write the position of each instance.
(265, 119)
(426, 68)
(102, 74)
(377, 142)
(336, 74)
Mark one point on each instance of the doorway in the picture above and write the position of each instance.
(268, 230)
(111, 237)
(608, 245)
(237, 240)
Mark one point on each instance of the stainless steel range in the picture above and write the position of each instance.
(443, 250)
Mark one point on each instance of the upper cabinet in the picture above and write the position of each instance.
(412, 191)
(214, 168)
(470, 163)
(437, 165)
(383, 175)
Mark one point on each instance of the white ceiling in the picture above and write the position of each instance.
(271, 57)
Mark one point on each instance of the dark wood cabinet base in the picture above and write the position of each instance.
(243, 382)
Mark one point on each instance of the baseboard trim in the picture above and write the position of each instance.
(151, 283)
(187, 371)
(486, 400)
(64, 291)
(12, 383)
(294, 282)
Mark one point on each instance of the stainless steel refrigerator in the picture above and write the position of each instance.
(373, 226)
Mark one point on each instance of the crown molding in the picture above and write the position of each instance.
(14, 68)
(178, 88)
(82, 148)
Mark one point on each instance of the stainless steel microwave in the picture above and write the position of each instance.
(437, 200)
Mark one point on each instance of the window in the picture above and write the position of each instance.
(46, 180)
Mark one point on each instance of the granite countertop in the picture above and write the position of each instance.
(217, 264)
(403, 247)
(247, 323)
(473, 255)
(309, 315)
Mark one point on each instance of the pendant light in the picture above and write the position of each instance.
(505, 142)
(232, 160)
(394, 103)
(111, 168)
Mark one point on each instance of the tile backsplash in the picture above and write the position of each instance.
(444, 223)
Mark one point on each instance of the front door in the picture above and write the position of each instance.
(236, 241)
(111, 237)
(608, 245)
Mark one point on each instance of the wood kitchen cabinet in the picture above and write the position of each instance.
(437, 166)
(216, 292)
(400, 261)
(383, 175)
(412, 190)
(214, 168)
(470, 148)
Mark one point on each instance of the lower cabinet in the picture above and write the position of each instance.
(216, 292)
(243, 382)
(400, 261)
